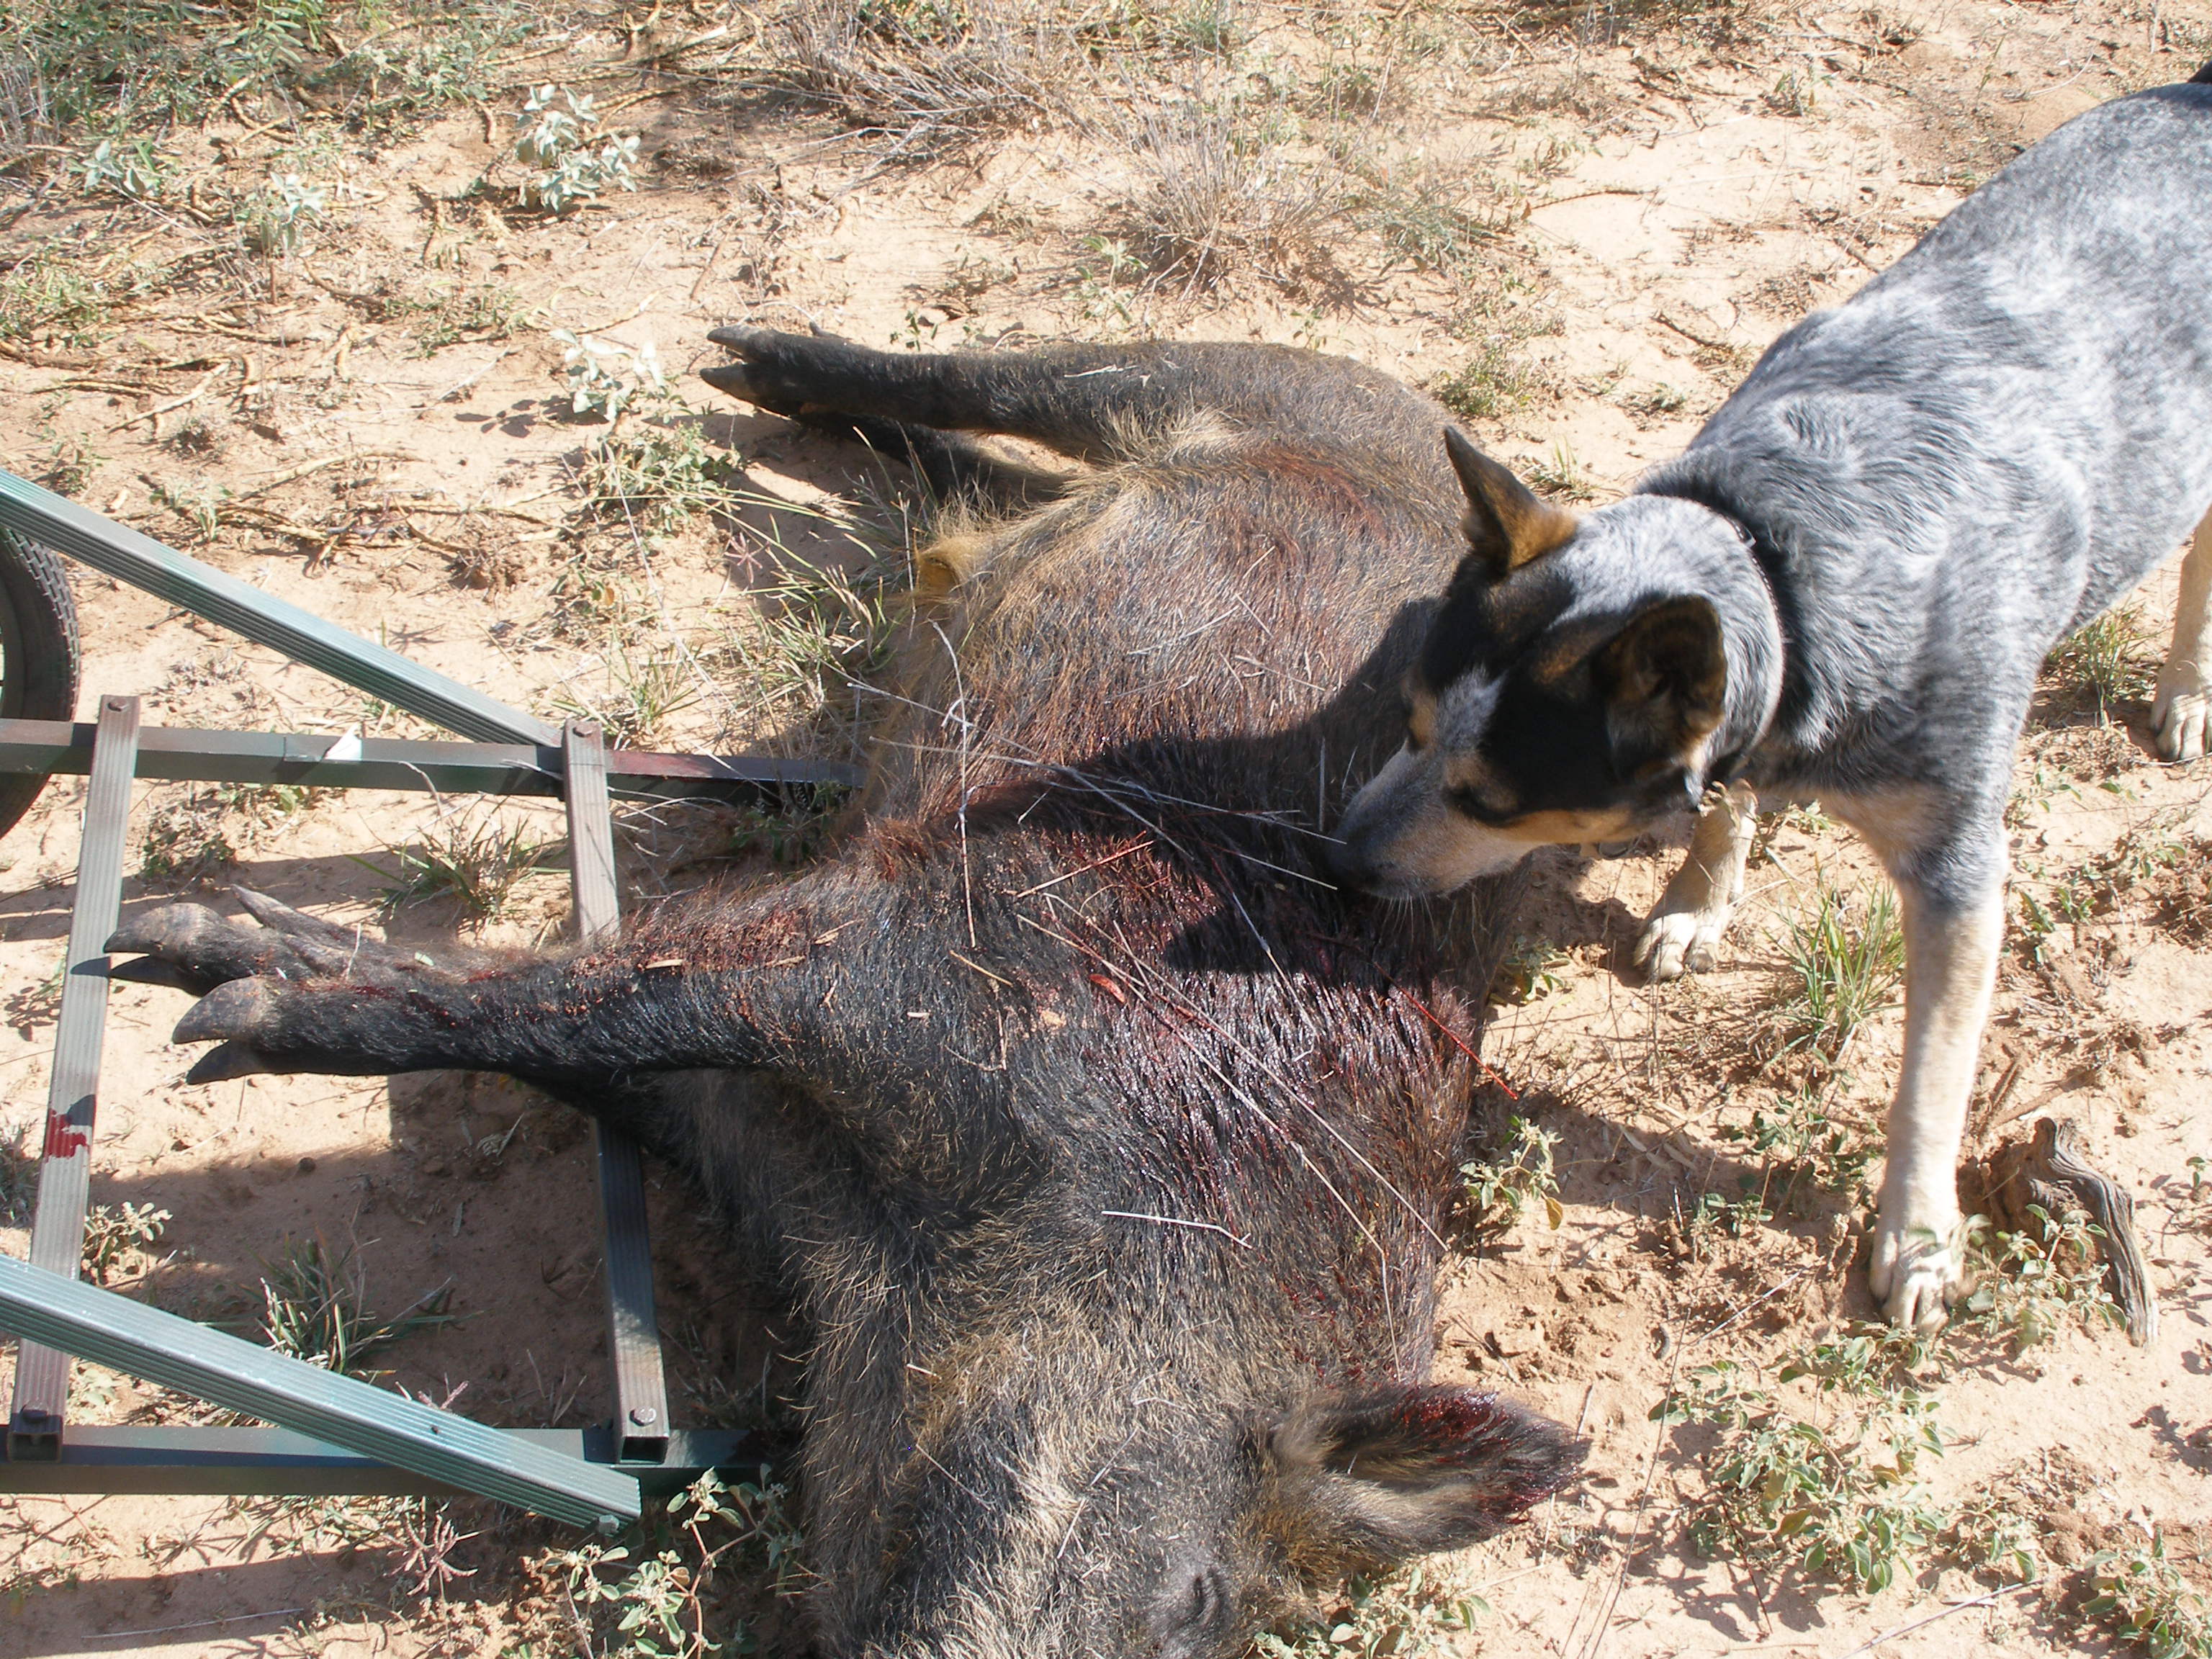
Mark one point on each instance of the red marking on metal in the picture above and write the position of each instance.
(63, 1138)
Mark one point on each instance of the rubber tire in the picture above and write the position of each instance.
(39, 658)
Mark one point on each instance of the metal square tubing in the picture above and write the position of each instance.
(34, 1420)
(113, 1330)
(641, 1417)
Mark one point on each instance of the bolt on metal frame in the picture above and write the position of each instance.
(331, 1434)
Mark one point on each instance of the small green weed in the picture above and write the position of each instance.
(603, 378)
(2142, 1596)
(2031, 1288)
(479, 864)
(19, 1173)
(1561, 474)
(131, 167)
(641, 694)
(1837, 1499)
(1803, 1146)
(1498, 1189)
(115, 1233)
(657, 475)
(314, 1307)
(570, 156)
(1530, 969)
(2105, 661)
(648, 1598)
(1848, 958)
(481, 311)
(1495, 381)
(1415, 1612)
(274, 218)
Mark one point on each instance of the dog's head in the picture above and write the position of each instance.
(1572, 687)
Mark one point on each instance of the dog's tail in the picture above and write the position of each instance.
(2202, 78)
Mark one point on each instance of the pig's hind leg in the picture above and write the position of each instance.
(296, 995)
(1097, 403)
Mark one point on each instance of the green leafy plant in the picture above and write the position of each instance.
(648, 1597)
(1498, 1189)
(2031, 1287)
(274, 218)
(1837, 1498)
(114, 1233)
(1413, 1612)
(604, 378)
(2105, 661)
(2142, 1596)
(571, 157)
(478, 863)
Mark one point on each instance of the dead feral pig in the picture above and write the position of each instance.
(1103, 1145)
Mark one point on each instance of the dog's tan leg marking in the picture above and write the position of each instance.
(1950, 967)
(2181, 714)
(1694, 912)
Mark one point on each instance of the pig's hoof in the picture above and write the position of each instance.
(203, 948)
(239, 1011)
(780, 373)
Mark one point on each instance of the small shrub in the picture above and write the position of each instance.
(2031, 1288)
(1415, 1612)
(19, 1172)
(1530, 969)
(130, 167)
(571, 158)
(478, 863)
(113, 1233)
(604, 378)
(1801, 1146)
(1839, 1499)
(2142, 1596)
(656, 474)
(274, 218)
(1498, 1189)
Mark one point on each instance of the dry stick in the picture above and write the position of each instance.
(1907, 1628)
(158, 411)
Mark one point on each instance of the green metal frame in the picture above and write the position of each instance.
(333, 1435)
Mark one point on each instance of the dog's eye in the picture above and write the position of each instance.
(1474, 803)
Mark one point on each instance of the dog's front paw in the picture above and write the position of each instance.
(1676, 942)
(2181, 712)
(1918, 1271)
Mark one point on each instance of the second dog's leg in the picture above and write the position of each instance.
(1694, 911)
(1950, 969)
(2181, 714)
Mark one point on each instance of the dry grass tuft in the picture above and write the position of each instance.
(929, 80)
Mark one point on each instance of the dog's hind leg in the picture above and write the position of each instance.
(2181, 715)
(1693, 913)
(1950, 969)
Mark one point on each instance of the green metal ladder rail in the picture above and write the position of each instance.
(333, 1435)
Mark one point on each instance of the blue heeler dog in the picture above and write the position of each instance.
(1844, 589)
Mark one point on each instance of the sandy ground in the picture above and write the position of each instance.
(1661, 202)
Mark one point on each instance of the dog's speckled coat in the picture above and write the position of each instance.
(1909, 500)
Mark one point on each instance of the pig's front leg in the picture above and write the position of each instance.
(296, 995)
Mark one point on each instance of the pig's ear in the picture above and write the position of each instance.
(1367, 1479)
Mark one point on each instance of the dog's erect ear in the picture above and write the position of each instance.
(1365, 1480)
(1664, 680)
(1508, 523)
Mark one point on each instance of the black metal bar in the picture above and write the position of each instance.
(215, 1462)
(35, 1418)
(131, 556)
(640, 1402)
(183, 754)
